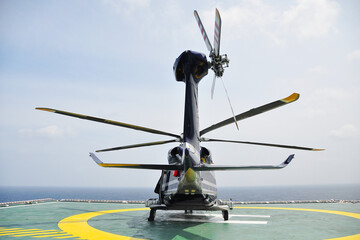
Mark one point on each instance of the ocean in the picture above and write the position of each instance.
(274, 193)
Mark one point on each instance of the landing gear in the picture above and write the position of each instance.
(152, 215)
(188, 211)
(225, 214)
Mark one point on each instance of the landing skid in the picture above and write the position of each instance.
(218, 206)
(225, 215)
(151, 218)
(152, 215)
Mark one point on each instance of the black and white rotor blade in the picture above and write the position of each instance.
(137, 145)
(213, 87)
(252, 112)
(217, 33)
(203, 32)
(111, 122)
(228, 98)
(261, 144)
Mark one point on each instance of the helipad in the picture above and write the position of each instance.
(63, 220)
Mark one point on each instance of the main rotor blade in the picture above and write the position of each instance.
(261, 144)
(101, 120)
(203, 32)
(178, 167)
(253, 112)
(217, 33)
(137, 145)
(232, 110)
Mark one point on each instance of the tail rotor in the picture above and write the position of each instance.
(218, 62)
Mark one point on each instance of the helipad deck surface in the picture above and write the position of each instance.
(102, 221)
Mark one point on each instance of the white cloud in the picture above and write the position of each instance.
(52, 131)
(252, 16)
(355, 55)
(318, 70)
(334, 95)
(307, 19)
(345, 131)
(127, 6)
(311, 18)
(329, 101)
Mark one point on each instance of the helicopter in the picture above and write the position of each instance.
(188, 181)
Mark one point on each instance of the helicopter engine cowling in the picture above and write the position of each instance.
(174, 155)
(205, 155)
(196, 61)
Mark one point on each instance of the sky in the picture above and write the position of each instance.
(114, 59)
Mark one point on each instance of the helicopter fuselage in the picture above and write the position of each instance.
(189, 189)
(188, 182)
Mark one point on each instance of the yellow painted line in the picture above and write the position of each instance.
(20, 232)
(347, 214)
(35, 233)
(352, 237)
(55, 235)
(30, 234)
(78, 226)
(19, 229)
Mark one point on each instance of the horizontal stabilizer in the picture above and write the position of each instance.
(136, 166)
(111, 122)
(228, 168)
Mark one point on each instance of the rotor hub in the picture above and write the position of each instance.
(218, 63)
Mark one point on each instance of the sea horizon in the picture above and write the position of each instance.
(238, 193)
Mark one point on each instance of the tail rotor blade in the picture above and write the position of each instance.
(213, 87)
(232, 110)
(217, 33)
(203, 32)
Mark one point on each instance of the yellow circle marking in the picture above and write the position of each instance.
(78, 226)
(348, 214)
